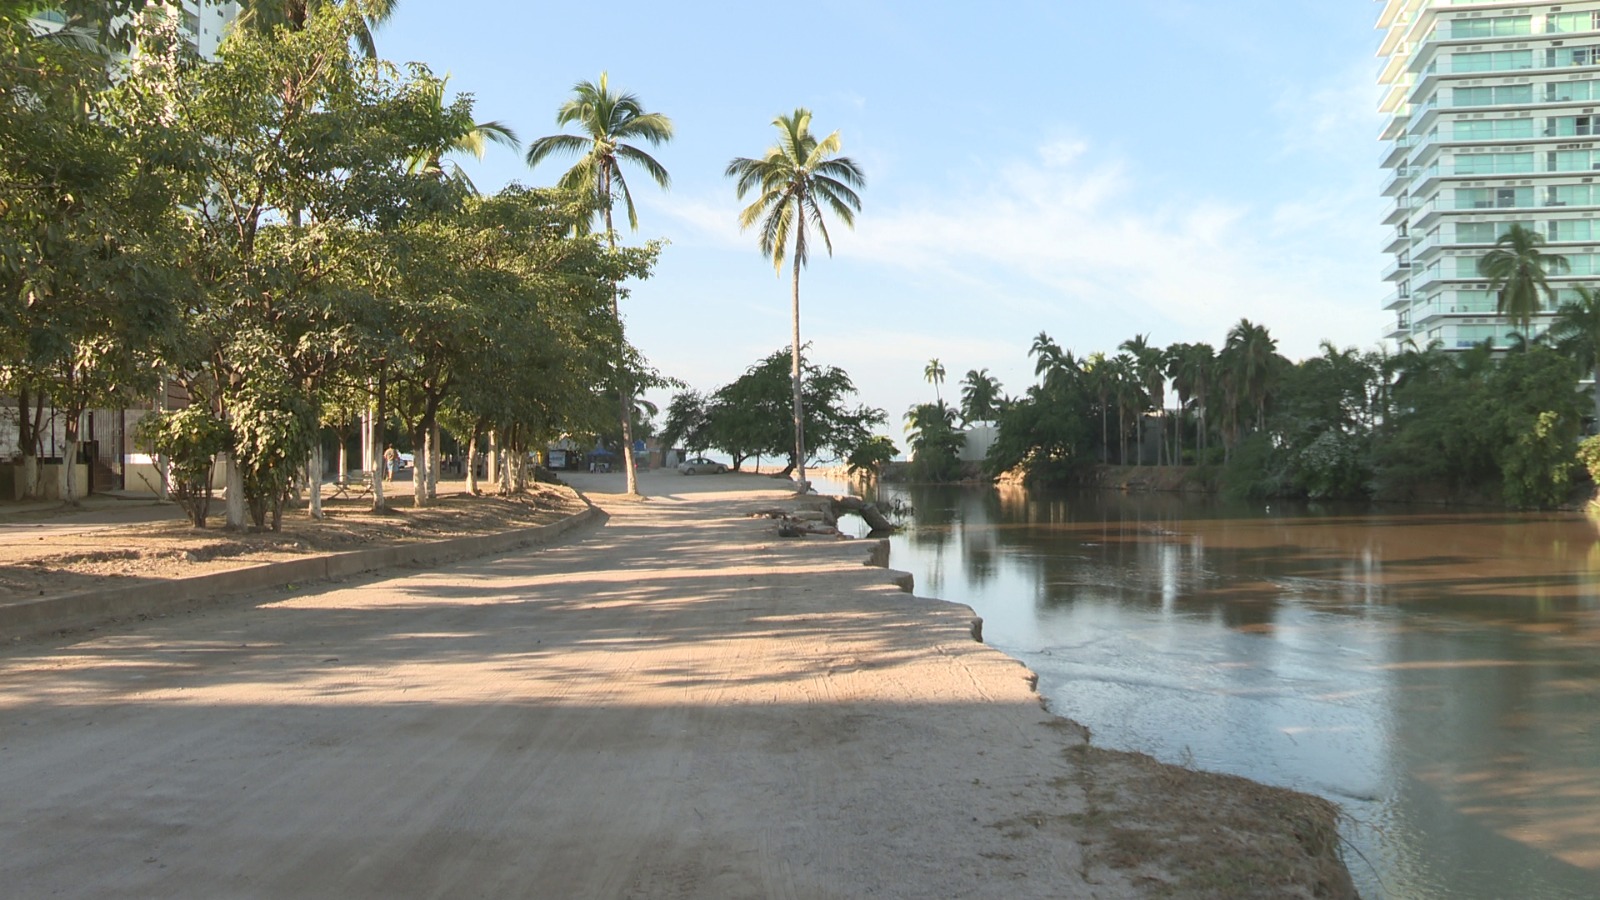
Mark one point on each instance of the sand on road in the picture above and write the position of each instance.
(678, 704)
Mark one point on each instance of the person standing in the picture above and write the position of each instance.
(391, 464)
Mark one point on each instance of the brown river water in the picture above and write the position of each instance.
(1435, 673)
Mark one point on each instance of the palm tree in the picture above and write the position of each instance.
(266, 15)
(1250, 355)
(1124, 382)
(1517, 269)
(794, 180)
(933, 373)
(980, 396)
(1149, 369)
(1097, 368)
(1576, 333)
(607, 120)
(474, 140)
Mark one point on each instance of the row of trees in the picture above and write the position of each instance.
(275, 233)
(1342, 424)
(750, 418)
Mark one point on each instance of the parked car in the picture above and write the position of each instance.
(700, 464)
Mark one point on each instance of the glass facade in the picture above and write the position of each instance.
(1493, 110)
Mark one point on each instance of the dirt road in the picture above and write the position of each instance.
(676, 705)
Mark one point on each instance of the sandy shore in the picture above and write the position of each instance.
(679, 704)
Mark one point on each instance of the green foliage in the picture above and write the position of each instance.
(752, 415)
(1589, 456)
(1537, 466)
(935, 443)
(869, 456)
(274, 427)
(190, 438)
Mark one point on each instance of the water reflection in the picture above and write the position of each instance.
(1436, 674)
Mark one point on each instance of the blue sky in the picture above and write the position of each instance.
(1091, 170)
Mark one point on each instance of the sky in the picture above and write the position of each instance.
(1094, 171)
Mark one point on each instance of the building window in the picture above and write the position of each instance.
(1568, 23)
(1499, 26)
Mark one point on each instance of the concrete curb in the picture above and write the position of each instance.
(32, 618)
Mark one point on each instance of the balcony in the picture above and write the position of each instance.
(1398, 181)
(1397, 299)
(1395, 150)
(1397, 270)
(1399, 240)
(1398, 212)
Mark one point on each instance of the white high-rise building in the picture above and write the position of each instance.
(202, 22)
(1494, 119)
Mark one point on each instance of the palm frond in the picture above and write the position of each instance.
(542, 148)
(655, 170)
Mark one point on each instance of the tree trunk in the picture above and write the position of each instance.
(28, 444)
(624, 383)
(233, 506)
(491, 465)
(69, 460)
(471, 460)
(344, 459)
(435, 460)
(375, 460)
(419, 466)
(801, 485)
(314, 480)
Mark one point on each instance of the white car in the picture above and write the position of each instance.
(699, 464)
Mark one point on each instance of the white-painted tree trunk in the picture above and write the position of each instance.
(69, 473)
(494, 460)
(419, 475)
(472, 466)
(28, 488)
(344, 460)
(435, 460)
(373, 461)
(233, 507)
(314, 481)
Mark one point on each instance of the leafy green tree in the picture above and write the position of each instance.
(793, 181)
(1576, 332)
(88, 227)
(1518, 272)
(608, 120)
(869, 457)
(750, 415)
(300, 153)
(980, 396)
(935, 442)
(688, 422)
(189, 438)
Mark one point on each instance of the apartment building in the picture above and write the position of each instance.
(202, 22)
(1494, 119)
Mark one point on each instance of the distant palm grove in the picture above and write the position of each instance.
(1420, 423)
(277, 246)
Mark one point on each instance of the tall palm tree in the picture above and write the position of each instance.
(793, 181)
(1097, 368)
(1149, 369)
(1126, 387)
(1517, 270)
(473, 140)
(980, 396)
(608, 119)
(1576, 333)
(265, 15)
(933, 373)
(1250, 354)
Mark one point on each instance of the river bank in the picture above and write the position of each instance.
(678, 704)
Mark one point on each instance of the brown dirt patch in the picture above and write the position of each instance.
(68, 563)
(1179, 832)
